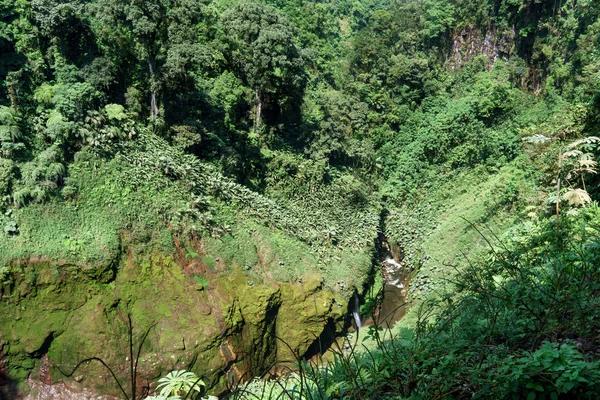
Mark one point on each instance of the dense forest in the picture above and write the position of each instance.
(230, 173)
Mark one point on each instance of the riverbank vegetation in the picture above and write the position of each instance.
(283, 139)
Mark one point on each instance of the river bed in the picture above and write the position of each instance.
(393, 304)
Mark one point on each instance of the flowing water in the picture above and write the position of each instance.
(393, 305)
(356, 312)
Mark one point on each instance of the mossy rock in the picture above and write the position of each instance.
(231, 326)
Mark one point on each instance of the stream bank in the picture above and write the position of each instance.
(392, 298)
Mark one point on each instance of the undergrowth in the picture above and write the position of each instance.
(523, 324)
(126, 201)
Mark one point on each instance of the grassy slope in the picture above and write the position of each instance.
(121, 211)
(118, 205)
(455, 241)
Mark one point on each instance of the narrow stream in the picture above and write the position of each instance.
(393, 304)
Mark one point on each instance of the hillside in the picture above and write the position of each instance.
(217, 183)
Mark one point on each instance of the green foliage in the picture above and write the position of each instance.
(10, 132)
(178, 383)
(557, 369)
(40, 177)
(522, 324)
(11, 228)
(201, 280)
(128, 125)
(328, 223)
(265, 56)
(4, 273)
(10, 128)
(7, 169)
(115, 111)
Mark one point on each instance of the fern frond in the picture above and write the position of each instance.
(115, 111)
(44, 93)
(588, 165)
(585, 140)
(9, 124)
(572, 153)
(20, 197)
(55, 117)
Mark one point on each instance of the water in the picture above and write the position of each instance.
(356, 312)
(392, 264)
(393, 305)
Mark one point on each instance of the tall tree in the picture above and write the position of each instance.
(265, 56)
(150, 34)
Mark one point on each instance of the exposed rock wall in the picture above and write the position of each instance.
(52, 315)
(471, 42)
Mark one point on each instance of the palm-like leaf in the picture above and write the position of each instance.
(115, 111)
(179, 382)
(587, 166)
(44, 93)
(572, 153)
(577, 197)
(10, 122)
(585, 140)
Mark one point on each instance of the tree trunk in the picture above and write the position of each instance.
(258, 110)
(558, 187)
(153, 106)
(12, 94)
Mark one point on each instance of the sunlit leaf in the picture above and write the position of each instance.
(572, 153)
(536, 139)
(586, 140)
(577, 197)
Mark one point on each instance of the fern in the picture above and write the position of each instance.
(10, 124)
(39, 177)
(115, 112)
(584, 141)
(572, 153)
(44, 93)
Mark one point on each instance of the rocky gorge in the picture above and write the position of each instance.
(224, 327)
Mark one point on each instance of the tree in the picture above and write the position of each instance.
(156, 36)
(265, 56)
(64, 24)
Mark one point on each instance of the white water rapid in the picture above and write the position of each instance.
(356, 312)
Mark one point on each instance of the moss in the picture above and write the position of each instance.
(201, 280)
(304, 313)
(84, 320)
(209, 262)
(252, 323)
(230, 326)
(272, 254)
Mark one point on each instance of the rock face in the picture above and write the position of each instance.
(53, 315)
(471, 42)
